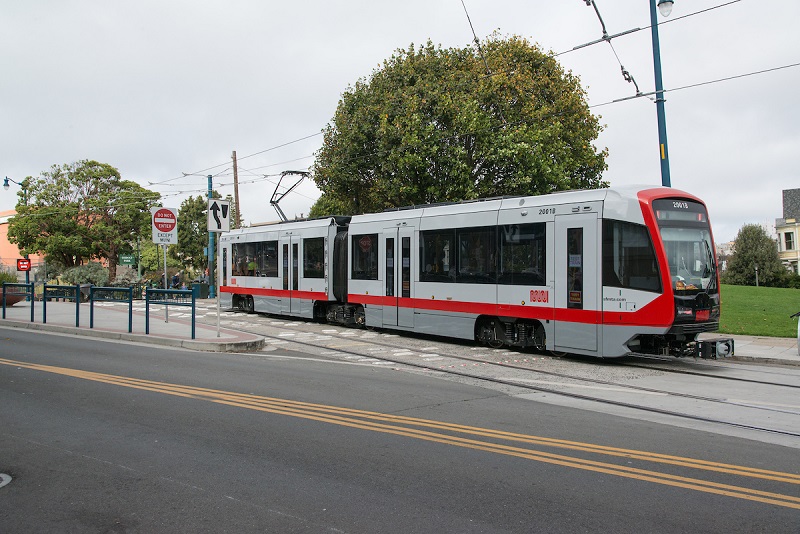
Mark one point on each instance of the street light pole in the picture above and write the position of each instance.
(665, 7)
(25, 201)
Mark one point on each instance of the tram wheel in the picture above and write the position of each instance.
(487, 334)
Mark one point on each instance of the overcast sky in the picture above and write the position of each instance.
(162, 88)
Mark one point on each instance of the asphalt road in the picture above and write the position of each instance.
(113, 437)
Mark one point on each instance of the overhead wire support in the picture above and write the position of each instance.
(634, 30)
(626, 75)
(606, 38)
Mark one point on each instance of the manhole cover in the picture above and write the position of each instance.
(4, 479)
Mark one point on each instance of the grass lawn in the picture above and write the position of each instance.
(759, 311)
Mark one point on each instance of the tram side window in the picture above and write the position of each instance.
(523, 254)
(436, 254)
(629, 260)
(477, 255)
(313, 257)
(365, 256)
(268, 258)
(243, 257)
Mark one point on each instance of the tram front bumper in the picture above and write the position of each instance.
(711, 349)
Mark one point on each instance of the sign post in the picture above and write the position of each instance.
(219, 220)
(165, 232)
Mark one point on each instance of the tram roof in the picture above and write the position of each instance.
(618, 195)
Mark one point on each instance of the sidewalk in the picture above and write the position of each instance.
(767, 350)
(111, 322)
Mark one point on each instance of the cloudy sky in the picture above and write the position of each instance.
(162, 88)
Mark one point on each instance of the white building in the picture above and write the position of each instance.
(788, 229)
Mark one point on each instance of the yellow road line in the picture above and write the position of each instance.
(385, 423)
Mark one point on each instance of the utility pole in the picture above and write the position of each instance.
(237, 221)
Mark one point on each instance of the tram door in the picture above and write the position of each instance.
(398, 308)
(290, 262)
(577, 291)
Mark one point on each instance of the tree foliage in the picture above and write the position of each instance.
(753, 247)
(432, 126)
(80, 211)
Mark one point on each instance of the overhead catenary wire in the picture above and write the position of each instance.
(52, 211)
(489, 74)
(634, 30)
(556, 114)
(166, 183)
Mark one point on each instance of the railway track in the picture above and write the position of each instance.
(526, 371)
(668, 367)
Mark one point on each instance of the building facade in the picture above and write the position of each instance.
(9, 253)
(788, 229)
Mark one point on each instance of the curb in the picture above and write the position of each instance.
(193, 344)
(765, 361)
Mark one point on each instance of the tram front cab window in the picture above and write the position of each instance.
(686, 235)
(629, 260)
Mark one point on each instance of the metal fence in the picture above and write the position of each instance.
(112, 294)
(62, 293)
(12, 290)
(168, 297)
(77, 293)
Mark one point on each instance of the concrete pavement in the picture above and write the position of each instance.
(761, 349)
(111, 322)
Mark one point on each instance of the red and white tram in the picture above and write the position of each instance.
(604, 272)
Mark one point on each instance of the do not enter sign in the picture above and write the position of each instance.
(164, 220)
(165, 225)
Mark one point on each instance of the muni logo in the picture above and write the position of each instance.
(540, 295)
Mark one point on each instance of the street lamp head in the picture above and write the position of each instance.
(665, 7)
(5, 184)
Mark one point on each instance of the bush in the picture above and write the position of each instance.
(793, 281)
(126, 278)
(8, 276)
(93, 273)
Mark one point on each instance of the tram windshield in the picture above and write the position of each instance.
(686, 235)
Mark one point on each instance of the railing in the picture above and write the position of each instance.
(15, 292)
(62, 292)
(111, 294)
(168, 297)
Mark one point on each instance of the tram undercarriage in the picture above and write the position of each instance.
(497, 332)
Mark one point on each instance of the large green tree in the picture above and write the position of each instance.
(80, 211)
(753, 247)
(436, 124)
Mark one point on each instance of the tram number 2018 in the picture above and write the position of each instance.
(540, 295)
